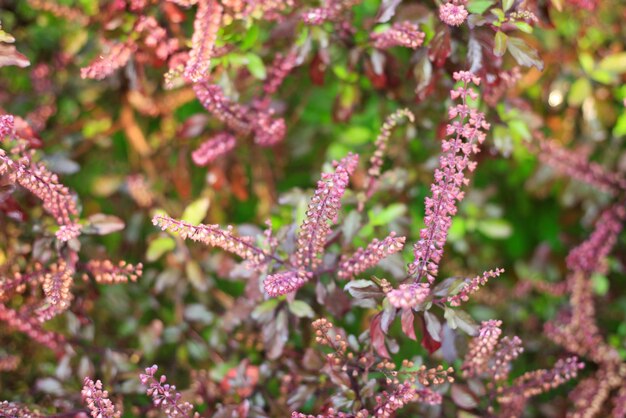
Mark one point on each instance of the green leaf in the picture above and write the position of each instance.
(507, 4)
(495, 228)
(479, 6)
(586, 62)
(385, 216)
(580, 90)
(196, 211)
(524, 27)
(615, 63)
(499, 46)
(301, 309)
(603, 76)
(158, 247)
(499, 14)
(600, 284)
(524, 54)
(255, 66)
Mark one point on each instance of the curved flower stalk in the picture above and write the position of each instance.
(490, 357)
(213, 236)
(213, 148)
(164, 395)
(321, 213)
(382, 141)
(576, 329)
(35, 178)
(243, 120)
(576, 164)
(115, 57)
(406, 34)
(31, 326)
(472, 286)
(365, 258)
(97, 400)
(513, 399)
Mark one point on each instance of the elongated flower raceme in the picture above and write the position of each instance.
(382, 141)
(365, 258)
(473, 286)
(115, 57)
(214, 236)
(576, 164)
(467, 133)
(406, 34)
(213, 148)
(285, 282)
(322, 213)
(206, 25)
(481, 348)
(231, 114)
(36, 178)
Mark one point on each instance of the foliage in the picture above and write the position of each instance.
(144, 145)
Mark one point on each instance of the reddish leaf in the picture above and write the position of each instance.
(377, 336)
(408, 324)
(428, 342)
(440, 47)
(317, 69)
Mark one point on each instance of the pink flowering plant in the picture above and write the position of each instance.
(312, 209)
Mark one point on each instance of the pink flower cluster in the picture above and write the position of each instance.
(116, 56)
(331, 10)
(406, 34)
(97, 400)
(164, 395)
(408, 296)
(453, 13)
(365, 258)
(285, 282)
(213, 148)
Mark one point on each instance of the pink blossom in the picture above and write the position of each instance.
(407, 296)
(97, 400)
(406, 34)
(365, 258)
(285, 282)
(116, 56)
(206, 25)
(213, 148)
(322, 212)
(452, 14)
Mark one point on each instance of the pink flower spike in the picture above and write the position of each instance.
(213, 148)
(285, 282)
